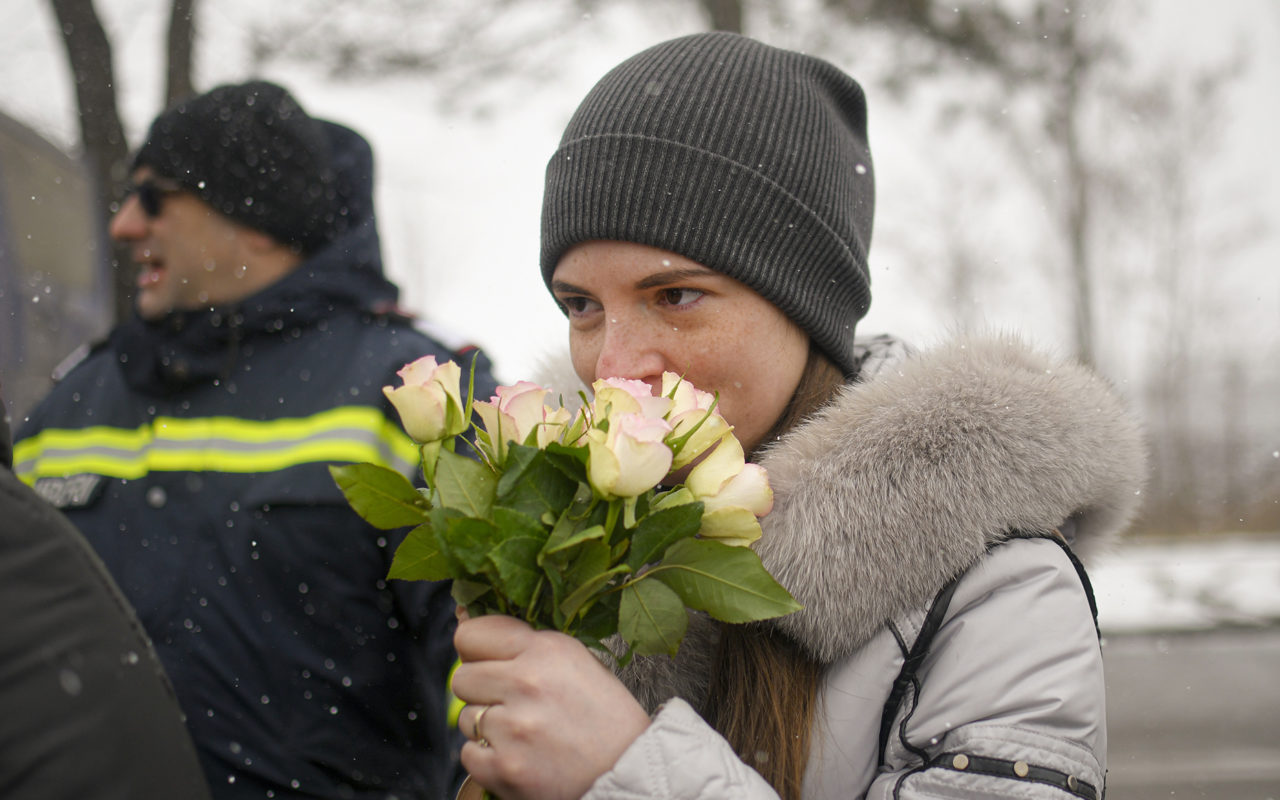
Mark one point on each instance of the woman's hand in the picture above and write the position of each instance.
(552, 717)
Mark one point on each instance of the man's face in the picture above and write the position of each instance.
(188, 255)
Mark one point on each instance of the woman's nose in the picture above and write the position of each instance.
(129, 222)
(630, 350)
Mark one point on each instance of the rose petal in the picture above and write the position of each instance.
(749, 489)
(731, 526)
(715, 470)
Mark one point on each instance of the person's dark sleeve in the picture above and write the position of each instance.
(86, 707)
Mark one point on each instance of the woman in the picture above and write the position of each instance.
(708, 213)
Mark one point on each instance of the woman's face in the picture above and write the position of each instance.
(637, 311)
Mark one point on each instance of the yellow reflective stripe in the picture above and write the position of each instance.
(196, 429)
(218, 444)
(207, 460)
(55, 439)
(277, 458)
(455, 705)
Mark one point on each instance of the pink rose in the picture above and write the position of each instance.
(629, 459)
(512, 412)
(689, 407)
(623, 396)
(734, 494)
(429, 403)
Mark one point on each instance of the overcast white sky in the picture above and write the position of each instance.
(459, 197)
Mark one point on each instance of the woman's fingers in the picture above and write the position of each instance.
(488, 647)
(471, 720)
(491, 637)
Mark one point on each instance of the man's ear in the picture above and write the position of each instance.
(257, 241)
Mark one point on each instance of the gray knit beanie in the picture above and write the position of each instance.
(253, 154)
(745, 158)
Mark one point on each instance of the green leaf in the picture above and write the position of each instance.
(600, 621)
(660, 530)
(652, 618)
(465, 485)
(515, 558)
(572, 461)
(466, 593)
(519, 457)
(533, 484)
(672, 497)
(555, 579)
(571, 538)
(511, 523)
(566, 461)
(383, 497)
(583, 513)
(729, 583)
(562, 558)
(581, 599)
(511, 560)
(440, 517)
(469, 540)
(418, 558)
(588, 574)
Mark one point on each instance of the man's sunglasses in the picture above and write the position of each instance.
(151, 194)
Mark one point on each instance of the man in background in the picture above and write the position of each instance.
(192, 447)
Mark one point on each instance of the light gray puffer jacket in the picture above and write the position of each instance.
(920, 472)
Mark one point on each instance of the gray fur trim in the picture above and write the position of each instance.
(903, 481)
(653, 680)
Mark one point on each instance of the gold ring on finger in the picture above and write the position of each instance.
(480, 737)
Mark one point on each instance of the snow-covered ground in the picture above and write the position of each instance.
(1194, 584)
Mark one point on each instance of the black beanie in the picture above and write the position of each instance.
(745, 158)
(253, 154)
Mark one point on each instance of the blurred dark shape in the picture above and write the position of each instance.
(53, 263)
(87, 708)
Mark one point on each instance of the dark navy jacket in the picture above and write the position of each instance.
(193, 454)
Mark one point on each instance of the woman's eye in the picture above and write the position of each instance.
(576, 305)
(680, 297)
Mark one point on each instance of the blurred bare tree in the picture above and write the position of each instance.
(102, 136)
(101, 132)
(461, 43)
(181, 45)
(1199, 398)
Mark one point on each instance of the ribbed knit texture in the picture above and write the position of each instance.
(252, 154)
(745, 158)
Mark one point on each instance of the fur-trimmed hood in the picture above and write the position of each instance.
(903, 481)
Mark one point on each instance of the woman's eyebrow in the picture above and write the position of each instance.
(563, 287)
(664, 278)
(671, 276)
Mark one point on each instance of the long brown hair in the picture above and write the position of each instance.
(763, 695)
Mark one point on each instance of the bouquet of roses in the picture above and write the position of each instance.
(574, 520)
